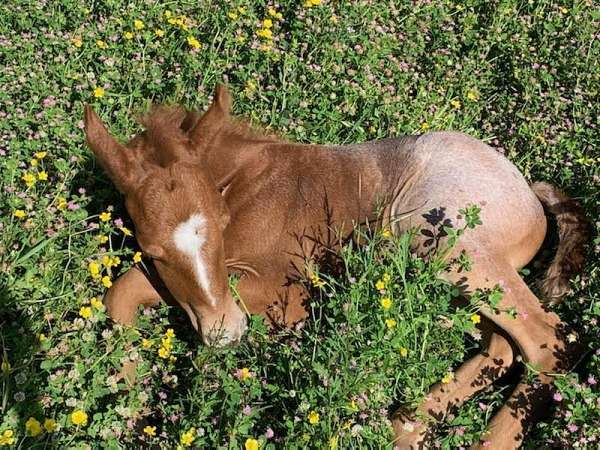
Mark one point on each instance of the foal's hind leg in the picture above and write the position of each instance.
(474, 375)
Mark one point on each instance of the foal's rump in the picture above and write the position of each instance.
(450, 171)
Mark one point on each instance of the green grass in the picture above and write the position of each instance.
(523, 76)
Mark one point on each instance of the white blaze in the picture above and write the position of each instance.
(189, 237)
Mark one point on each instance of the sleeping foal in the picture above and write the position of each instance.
(211, 196)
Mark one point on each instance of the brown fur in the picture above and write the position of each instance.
(574, 233)
(283, 206)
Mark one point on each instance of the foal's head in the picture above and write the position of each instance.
(178, 212)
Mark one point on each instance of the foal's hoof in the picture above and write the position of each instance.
(409, 433)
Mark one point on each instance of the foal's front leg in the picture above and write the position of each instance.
(130, 290)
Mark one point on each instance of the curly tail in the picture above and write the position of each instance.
(574, 233)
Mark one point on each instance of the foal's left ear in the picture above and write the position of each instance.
(120, 163)
(214, 119)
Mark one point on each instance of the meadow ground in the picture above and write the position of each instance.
(523, 76)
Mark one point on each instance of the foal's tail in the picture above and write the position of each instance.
(574, 233)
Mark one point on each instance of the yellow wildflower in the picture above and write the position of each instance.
(61, 203)
(265, 33)
(353, 406)
(19, 213)
(386, 303)
(100, 43)
(6, 438)
(424, 126)
(105, 216)
(103, 238)
(126, 231)
(472, 95)
(163, 352)
(379, 285)
(50, 425)
(251, 444)
(33, 162)
(333, 442)
(42, 175)
(99, 92)
(232, 15)
(167, 14)
(456, 103)
(386, 233)
(311, 3)
(137, 257)
(79, 417)
(446, 379)
(42, 338)
(244, 373)
(40, 155)
(273, 13)
(313, 417)
(267, 23)
(159, 32)
(386, 277)
(77, 42)
(390, 323)
(138, 24)
(106, 281)
(150, 431)
(476, 318)
(96, 303)
(241, 10)
(563, 10)
(334, 18)
(85, 312)
(29, 179)
(193, 42)
(147, 343)
(170, 333)
(94, 269)
(403, 352)
(188, 437)
(33, 426)
(128, 35)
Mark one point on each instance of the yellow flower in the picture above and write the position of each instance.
(390, 323)
(128, 35)
(267, 23)
(386, 277)
(446, 379)
(232, 15)
(163, 352)
(316, 281)
(241, 10)
(150, 431)
(311, 3)
(472, 95)
(33, 162)
(126, 231)
(85, 312)
(100, 43)
(50, 425)
(29, 179)
(77, 42)
(476, 318)
(333, 442)
(167, 14)
(33, 426)
(403, 352)
(40, 155)
(137, 257)
(379, 285)
(79, 417)
(193, 42)
(265, 33)
(245, 373)
(94, 269)
(99, 92)
(251, 444)
(105, 216)
(353, 406)
(147, 343)
(138, 24)
(106, 281)
(313, 417)
(563, 10)
(386, 233)
(455, 103)
(424, 126)
(19, 213)
(273, 13)
(96, 303)
(103, 238)
(159, 32)
(386, 303)
(62, 203)
(42, 338)
(42, 175)
(170, 333)
(6, 438)
(334, 18)
(188, 437)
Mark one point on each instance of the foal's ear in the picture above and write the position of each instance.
(214, 119)
(116, 160)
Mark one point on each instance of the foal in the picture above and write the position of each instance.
(210, 196)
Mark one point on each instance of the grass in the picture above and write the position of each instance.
(523, 76)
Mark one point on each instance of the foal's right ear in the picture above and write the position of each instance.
(117, 161)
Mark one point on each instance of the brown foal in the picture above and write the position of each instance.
(210, 196)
